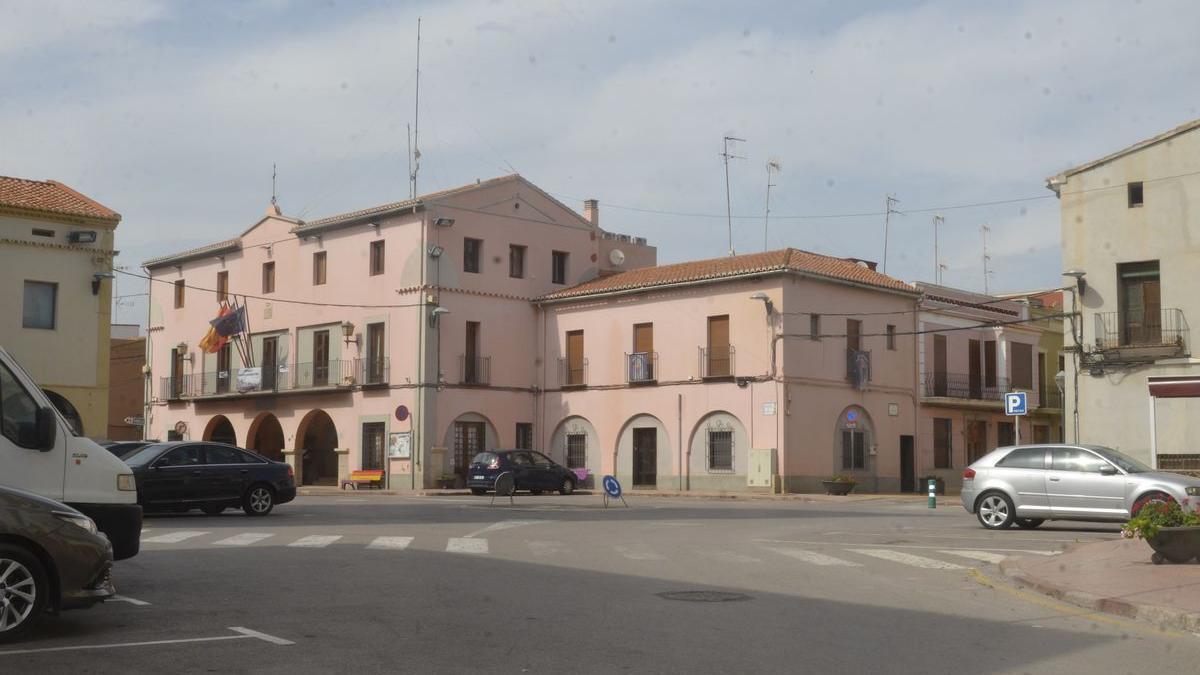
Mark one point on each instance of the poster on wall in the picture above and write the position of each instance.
(400, 444)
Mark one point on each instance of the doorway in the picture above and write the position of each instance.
(908, 467)
(270, 365)
(645, 457)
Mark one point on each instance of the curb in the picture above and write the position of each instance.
(809, 498)
(1164, 617)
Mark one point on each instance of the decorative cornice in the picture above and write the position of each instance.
(108, 253)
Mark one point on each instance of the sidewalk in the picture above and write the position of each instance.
(944, 501)
(1116, 577)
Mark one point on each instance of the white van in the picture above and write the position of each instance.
(40, 453)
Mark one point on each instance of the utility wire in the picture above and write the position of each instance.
(928, 331)
(271, 298)
(965, 305)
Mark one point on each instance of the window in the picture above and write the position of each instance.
(1076, 459)
(222, 286)
(471, 252)
(377, 258)
(375, 372)
(1022, 365)
(1006, 434)
(720, 450)
(942, 450)
(891, 337)
(558, 267)
(320, 358)
(524, 436)
(814, 326)
(39, 308)
(468, 442)
(319, 268)
(854, 334)
(718, 361)
(1024, 458)
(372, 445)
(220, 454)
(18, 410)
(1135, 194)
(854, 454)
(520, 459)
(642, 361)
(38, 232)
(941, 380)
(576, 451)
(539, 460)
(186, 455)
(516, 261)
(1140, 303)
(268, 277)
(989, 363)
(575, 361)
(224, 358)
(179, 288)
(474, 368)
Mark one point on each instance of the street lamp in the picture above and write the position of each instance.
(435, 313)
(348, 335)
(1078, 275)
(766, 300)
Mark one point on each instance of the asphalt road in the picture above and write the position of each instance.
(559, 584)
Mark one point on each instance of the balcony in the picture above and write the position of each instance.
(717, 362)
(296, 377)
(1161, 334)
(962, 386)
(572, 374)
(373, 371)
(641, 367)
(322, 374)
(474, 370)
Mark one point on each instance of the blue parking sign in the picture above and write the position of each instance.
(1015, 403)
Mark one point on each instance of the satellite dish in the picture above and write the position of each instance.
(616, 257)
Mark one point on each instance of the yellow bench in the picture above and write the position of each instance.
(369, 478)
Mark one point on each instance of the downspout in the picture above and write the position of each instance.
(679, 438)
(418, 403)
(148, 373)
(916, 392)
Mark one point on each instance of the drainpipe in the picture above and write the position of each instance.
(148, 375)
(916, 393)
(679, 436)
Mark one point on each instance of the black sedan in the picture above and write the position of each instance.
(531, 470)
(123, 449)
(51, 558)
(183, 475)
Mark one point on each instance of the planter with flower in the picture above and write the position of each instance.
(1170, 528)
(839, 485)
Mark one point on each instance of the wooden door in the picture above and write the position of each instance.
(989, 364)
(575, 368)
(375, 352)
(939, 365)
(270, 365)
(645, 456)
(471, 369)
(718, 347)
(223, 368)
(975, 369)
(642, 364)
(320, 365)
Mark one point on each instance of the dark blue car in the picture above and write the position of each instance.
(531, 470)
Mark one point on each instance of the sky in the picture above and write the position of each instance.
(173, 114)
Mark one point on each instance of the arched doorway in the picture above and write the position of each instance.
(643, 453)
(220, 430)
(854, 441)
(317, 438)
(67, 409)
(266, 436)
(470, 433)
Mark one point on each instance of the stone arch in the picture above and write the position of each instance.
(705, 442)
(654, 463)
(467, 434)
(581, 431)
(266, 436)
(854, 441)
(220, 430)
(316, 443)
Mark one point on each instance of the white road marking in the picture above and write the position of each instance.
(173, 537)
(243, 539)
(932, 548)
(907, 559)
(390, 543)
(985, 556)
(315, 541)
(638, 553)
(729, 557)
(814, 558)
(132, 601)
(503, 525)
(547, 548)
(242, 634)
(464, 545)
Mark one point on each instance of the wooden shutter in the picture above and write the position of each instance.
(989, 363)
(575, 357)
(939, 365)
(1022, 365)
(643, 338)
(718, 346)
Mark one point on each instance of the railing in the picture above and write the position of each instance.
(285, 377)
(1051, 399)
(572, 376)
(1164, 328)
(958, 385)
(174, 388)
(373, 371)
(858, 367)
(716, 362)
(641, 367)
(322, 374)
(474, 369)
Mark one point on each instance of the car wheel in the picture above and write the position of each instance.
(24, 591)
(1029, 523)
(258, 500)
(479, 491)
(567, 487)
(535, 492)
(1150, 498)
(213, 510)
(995, 511)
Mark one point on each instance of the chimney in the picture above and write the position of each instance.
(591, 211)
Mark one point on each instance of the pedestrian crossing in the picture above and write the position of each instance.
(814, 554)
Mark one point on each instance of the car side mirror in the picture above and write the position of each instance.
(1108, 470)
(47, 430)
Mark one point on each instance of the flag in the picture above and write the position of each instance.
(229, 323)
(212, 341)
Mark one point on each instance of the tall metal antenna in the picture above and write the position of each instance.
(889, 203)
(937, 262)
(728, 208)
(272, 183)
(987, 258)
(774, 165)
(940, 268)
(415, 157)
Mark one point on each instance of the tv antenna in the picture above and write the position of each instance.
(937, 262)
(272, 183)
(987, 258)
(415, 156)
(889, 208)
(774, 165)
(728, 208)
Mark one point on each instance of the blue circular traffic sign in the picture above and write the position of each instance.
(612, 486)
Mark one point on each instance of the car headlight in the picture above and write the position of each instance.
(77, 519)
(1193, 490)
(126, 483)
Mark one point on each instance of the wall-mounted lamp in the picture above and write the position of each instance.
(435, 313)
(97, 278)
(443, 222)
(436, 251)
(348, 335)
(766, 300)
(182, 349)
(1078, 275)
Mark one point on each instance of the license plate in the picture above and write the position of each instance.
(480, 477)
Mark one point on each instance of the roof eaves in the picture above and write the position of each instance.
(195, 253)
(1154, 140)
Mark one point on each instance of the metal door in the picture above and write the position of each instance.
(645, 457)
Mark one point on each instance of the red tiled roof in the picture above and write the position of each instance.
(783, 260)
(51, 197)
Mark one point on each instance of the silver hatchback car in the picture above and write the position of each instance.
(1030, 484)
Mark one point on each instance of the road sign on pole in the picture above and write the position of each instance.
(1016, 403)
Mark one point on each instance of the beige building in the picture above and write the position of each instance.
(1132, 239)
(57, 248)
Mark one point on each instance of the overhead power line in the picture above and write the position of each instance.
(271, 298)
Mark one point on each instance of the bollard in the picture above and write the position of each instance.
(932, 493)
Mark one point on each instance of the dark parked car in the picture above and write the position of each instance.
(183, 475)
(531, 470)
(51, 558)
(123, 449)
